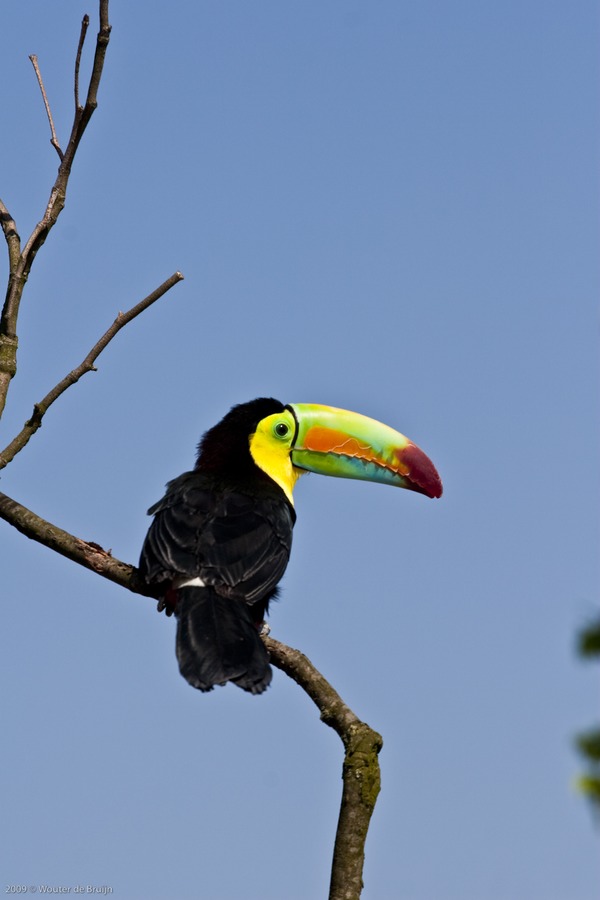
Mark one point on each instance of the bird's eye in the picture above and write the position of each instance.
(282, 429)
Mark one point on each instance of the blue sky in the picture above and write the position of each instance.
(388, 207)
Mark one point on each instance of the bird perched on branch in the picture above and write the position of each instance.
(221, 536)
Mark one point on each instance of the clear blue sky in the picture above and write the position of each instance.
(390, 207)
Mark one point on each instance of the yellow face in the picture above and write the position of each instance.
(270, 447)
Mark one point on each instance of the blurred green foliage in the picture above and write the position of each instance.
(588, 743)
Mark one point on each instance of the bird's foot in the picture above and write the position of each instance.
(168, 602)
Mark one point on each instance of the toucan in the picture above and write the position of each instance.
(221, 536)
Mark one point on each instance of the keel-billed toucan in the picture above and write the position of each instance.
(221, 536)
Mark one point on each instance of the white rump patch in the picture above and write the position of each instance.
(191, 582)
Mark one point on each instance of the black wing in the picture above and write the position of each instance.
(236, 542)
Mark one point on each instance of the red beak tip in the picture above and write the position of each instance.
(439, 489)
(422, 471)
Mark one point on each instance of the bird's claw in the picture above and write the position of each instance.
(168, 602)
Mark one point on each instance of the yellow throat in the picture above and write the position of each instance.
(273, 456)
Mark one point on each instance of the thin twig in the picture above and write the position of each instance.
(53, 138)
(87, 365)
(84, 27)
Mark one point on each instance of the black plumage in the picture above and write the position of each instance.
(230, 525)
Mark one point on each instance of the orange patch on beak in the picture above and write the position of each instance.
(327, 440)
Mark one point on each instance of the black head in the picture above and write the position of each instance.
(224, 449)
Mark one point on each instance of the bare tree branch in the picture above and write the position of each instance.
(87, 553)
(84, 27)
(20, 265)
(11, 234)
(53, 138)
(87, 365)
(8, 341)
(101, 45)
(361, 774)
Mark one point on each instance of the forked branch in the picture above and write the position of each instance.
(21, 260)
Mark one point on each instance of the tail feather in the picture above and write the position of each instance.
(217, 641)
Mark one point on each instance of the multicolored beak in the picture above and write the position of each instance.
(344, 444)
